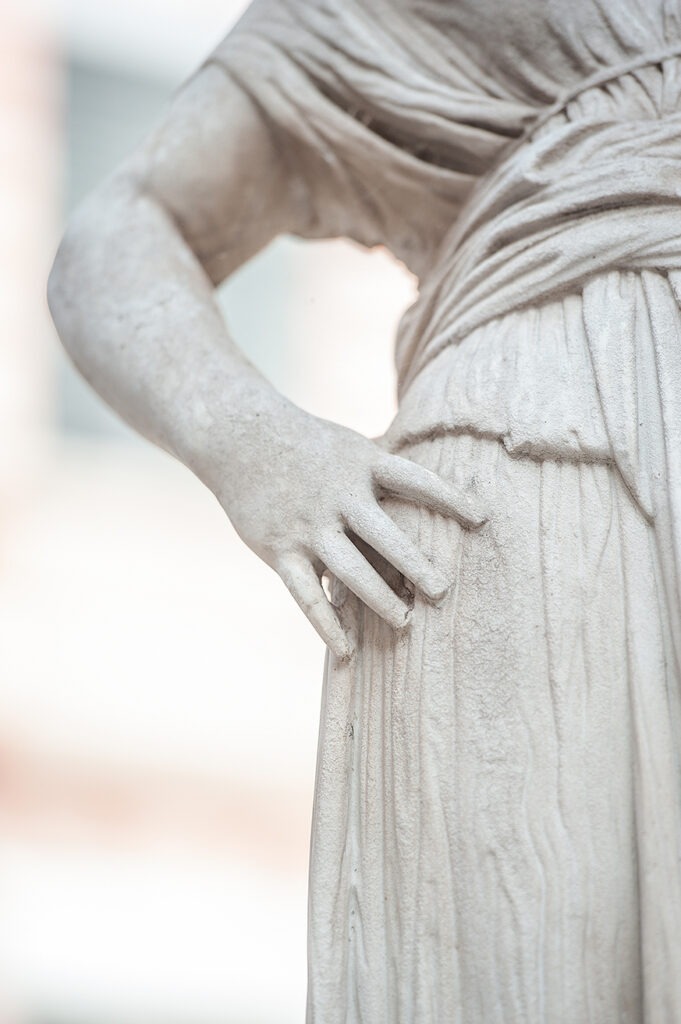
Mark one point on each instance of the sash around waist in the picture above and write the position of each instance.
(578, 199)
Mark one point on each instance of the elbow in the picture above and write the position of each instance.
(61, 294)
(68, 280)
(77, 281)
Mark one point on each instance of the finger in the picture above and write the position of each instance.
(351, 567)
(378, 530)
(416, 483)
(305, 587)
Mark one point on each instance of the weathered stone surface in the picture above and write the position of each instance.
(497, 833)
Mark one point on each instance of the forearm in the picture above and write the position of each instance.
(131, 294)
(137, 314)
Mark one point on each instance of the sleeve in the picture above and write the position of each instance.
(383, 133)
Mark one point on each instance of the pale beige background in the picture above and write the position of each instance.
(156, 747)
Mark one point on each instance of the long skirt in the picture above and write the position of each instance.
(496, 781)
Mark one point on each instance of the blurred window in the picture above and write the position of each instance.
(109, 113)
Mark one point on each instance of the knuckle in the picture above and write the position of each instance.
(328, 543)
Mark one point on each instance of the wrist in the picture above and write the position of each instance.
(225, 427)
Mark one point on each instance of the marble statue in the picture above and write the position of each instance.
(497, 831)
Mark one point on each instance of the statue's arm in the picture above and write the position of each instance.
(131, 293)
(131, 289)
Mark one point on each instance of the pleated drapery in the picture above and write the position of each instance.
(497, 824)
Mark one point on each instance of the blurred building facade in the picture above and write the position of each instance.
(156, 749)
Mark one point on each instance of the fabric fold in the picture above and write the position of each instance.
(497, 823)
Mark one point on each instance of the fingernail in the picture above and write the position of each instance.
(401, 617)
(437, 588)
(406, 616)
(343, 652)
(475, 516)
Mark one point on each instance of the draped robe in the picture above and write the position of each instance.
(496, 833)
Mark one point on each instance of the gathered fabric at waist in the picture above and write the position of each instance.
(594, 187)
(525, 379)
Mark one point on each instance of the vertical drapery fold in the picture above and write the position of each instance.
(497, 824)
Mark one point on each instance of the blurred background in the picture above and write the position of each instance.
(159, 690)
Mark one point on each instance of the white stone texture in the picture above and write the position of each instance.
(496, 834)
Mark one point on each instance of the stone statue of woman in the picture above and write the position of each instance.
(496, 832)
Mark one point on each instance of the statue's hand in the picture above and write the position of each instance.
(299, 486)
